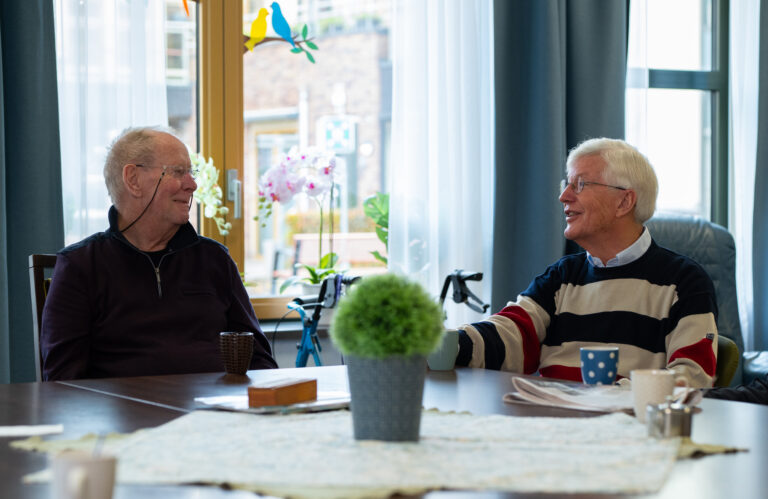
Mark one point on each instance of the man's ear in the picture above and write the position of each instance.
(627, 204)
(131, 180)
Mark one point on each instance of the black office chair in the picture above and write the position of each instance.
(40, 267)
(712, 247)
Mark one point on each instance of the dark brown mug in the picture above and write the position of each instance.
(236, 351)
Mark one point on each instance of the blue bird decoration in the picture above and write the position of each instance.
(280, 25)
(281, 28)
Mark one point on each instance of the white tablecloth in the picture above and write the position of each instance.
(315, 455)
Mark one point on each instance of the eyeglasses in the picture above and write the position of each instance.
(178, 172)
(578, 185)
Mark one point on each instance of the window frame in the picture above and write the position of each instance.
(714, 81)
(221, 105)
(222, 124)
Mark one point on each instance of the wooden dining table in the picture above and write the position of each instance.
(124, 405)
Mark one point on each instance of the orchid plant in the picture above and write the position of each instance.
(208, 191)
(312, 173)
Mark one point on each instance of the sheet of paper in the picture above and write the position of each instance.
(613, 398)
(30, 430)
(326, 401)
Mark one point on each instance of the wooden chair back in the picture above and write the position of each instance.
(39, 282)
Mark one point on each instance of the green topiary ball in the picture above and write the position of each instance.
(385, 315)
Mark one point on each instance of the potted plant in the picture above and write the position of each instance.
(376, 208)
(208, 192)
(385, 326)
(312, 173)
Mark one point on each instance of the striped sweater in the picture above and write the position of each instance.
(660, 311)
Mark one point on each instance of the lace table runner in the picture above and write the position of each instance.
(315, 455)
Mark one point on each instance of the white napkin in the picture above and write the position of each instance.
(28, 431)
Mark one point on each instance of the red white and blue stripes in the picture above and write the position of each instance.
(659, 310)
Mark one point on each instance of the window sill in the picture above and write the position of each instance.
(273, 308)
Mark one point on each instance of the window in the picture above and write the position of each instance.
(339, 104)
(242, 109)
(112, 75)
(181, 71)
(677, 97)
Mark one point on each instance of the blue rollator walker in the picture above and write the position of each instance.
(330, 292)
(309, 343)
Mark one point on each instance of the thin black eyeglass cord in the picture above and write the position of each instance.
(146, 207)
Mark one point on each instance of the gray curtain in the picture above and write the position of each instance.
(759, 225)
(559, 75)
(30, 176)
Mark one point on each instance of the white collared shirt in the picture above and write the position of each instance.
(628, 255)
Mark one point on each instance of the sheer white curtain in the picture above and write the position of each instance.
(743, 79)
(441, 172)
(110, 57)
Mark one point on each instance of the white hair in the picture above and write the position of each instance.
(625, 167)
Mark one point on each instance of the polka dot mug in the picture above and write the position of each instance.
(599, 364)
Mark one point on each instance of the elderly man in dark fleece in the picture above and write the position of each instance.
(148, 295)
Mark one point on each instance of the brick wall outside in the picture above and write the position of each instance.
(274, 79)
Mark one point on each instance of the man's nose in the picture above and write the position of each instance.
(189, 183)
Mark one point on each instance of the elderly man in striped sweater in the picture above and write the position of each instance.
(657, 306)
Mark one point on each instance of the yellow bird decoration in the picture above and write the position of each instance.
(258, 29)
(258, 36)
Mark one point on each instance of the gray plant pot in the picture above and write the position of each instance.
(386, 397)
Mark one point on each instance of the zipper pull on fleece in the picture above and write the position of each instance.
(159, 288)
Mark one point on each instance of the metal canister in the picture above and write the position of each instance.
(669, 419)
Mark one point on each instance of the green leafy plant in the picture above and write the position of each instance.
(298, 49)
(376, 207)
(386, 315)
(316, 274)
(208, 191)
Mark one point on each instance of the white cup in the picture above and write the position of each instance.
(652, 386)
(83, 475)
(443, 358)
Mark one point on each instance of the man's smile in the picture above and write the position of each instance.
(570, 214)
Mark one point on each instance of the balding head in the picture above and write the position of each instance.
(133, 145)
